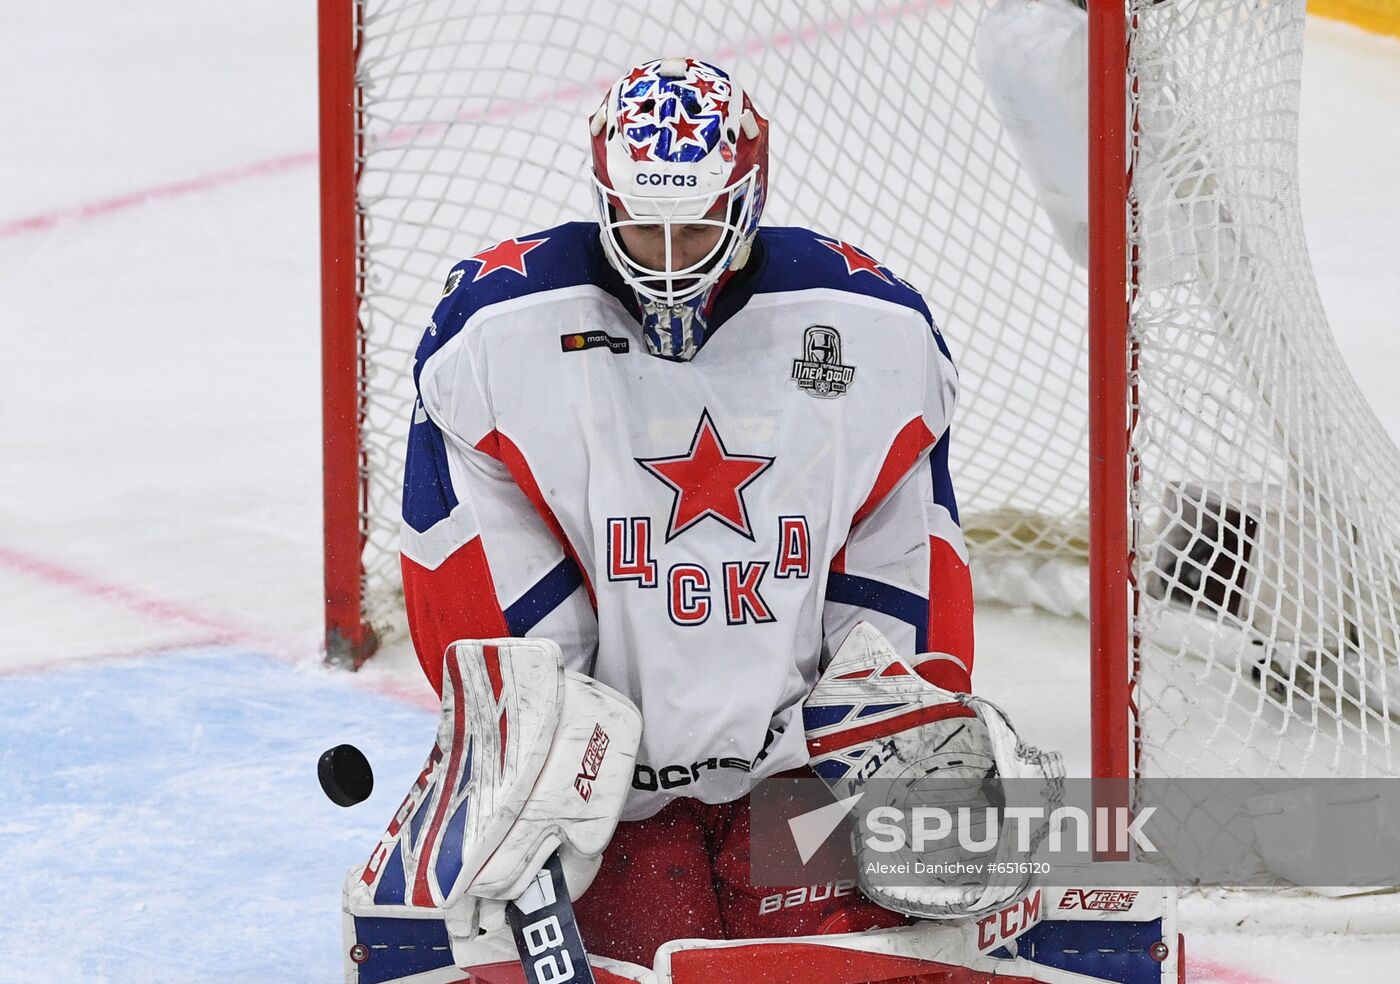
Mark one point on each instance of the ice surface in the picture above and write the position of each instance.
(160, 507)
(163, 821)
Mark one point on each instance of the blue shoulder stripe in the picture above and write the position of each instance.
(942, 480)
(428, 496)
(800, 259)
(565, 256)
(887, 599)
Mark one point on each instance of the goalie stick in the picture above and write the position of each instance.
(546, 932)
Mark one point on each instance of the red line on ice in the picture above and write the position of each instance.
(1218, 973)
(216, 631)
(158, 609)
(404, 134)
(175, 189)
(416, 693)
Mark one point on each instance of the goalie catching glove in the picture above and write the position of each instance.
(877, 729)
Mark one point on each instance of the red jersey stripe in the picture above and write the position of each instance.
(912, 440)
(950, 627)
(456, 600)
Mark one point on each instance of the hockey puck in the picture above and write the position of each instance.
(345, 775)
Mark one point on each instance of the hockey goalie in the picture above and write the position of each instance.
(678, 518)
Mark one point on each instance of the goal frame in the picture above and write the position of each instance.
(349, 641)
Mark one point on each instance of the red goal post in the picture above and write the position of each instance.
(349, 637)
(1109, 549)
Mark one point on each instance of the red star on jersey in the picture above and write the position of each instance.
(509, 255)
(856, 261)
(707, 481)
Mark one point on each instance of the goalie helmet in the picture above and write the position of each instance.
(678, 143)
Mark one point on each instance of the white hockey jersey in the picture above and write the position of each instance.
(699, 535)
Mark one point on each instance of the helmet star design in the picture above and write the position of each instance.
(670, 120)
(678, 143)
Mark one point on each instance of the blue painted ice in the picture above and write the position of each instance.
(162, 819)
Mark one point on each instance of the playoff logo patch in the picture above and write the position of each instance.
(819, 371)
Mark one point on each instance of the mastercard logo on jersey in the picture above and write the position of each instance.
(578, 341)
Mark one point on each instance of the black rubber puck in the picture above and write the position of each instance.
(345, 775)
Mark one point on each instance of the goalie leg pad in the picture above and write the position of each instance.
(1126, 934)
(1053, 936)
(415, 947)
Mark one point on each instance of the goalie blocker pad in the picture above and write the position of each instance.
(530, 759)
(872, 717)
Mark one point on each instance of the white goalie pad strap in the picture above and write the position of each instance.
(528, 759)
(871, 717)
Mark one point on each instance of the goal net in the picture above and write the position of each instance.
(1265, 495)
(1263, 548)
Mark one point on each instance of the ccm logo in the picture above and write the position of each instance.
(1005, 925)
(1098, 900)
(676, 180)
(592, 762)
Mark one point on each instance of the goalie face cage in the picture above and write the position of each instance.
(1238, 501)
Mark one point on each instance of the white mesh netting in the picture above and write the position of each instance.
(1266, 505)
(475, 130)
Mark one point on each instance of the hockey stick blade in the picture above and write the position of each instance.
(546, 932)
